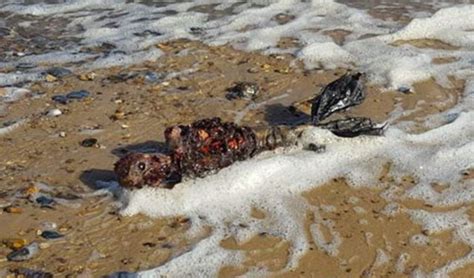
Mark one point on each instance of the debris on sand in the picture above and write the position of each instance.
(51, 235)
(89, 142)
(338, 95)
(54, 113)
(208, 145)
(24, 253)
(9, 126)
(248, 90)
(196, 150)
(352, 127)
(74, 95)
(25, 272)
(58, 72)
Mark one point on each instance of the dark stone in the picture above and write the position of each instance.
(58, 72)
(44, 201)
(89, 142)
(60, 99)
(51, 235)
(24, 253)
(405, 90)
(78, 94)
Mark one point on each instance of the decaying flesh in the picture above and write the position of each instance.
(203, 147)
(136, 170)
(208, 145)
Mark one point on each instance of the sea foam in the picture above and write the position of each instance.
(274, 181)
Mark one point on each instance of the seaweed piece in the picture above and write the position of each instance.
(352, 127)
(338, 95)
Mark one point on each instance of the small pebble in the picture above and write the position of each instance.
(60, 99)
(31, 190)
(118, 115)
(58, 72)
(89, 142)
(152, 77)
(405, 90)
(87, 76)
(11, 209)
(253, 70)
(44, 245)
(78, 94)
(15, 244)
(45, 202)
(51, 235)
(74, 95)
(50, 78)
(62, 134)
(54, 113)
(24, 253)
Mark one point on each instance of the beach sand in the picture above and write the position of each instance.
(131, 114)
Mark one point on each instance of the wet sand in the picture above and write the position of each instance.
(130, 114)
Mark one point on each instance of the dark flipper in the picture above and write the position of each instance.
(338, 95)
(352, 127)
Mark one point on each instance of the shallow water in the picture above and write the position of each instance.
(397, 44)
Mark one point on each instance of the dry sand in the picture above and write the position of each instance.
(131, 115)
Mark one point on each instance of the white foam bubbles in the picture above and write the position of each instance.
(449, 25)
(134, 29)
(274, 181)
(327, 55)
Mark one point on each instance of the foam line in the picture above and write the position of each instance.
(274, 182)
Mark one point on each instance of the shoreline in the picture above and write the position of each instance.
(130, 113)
